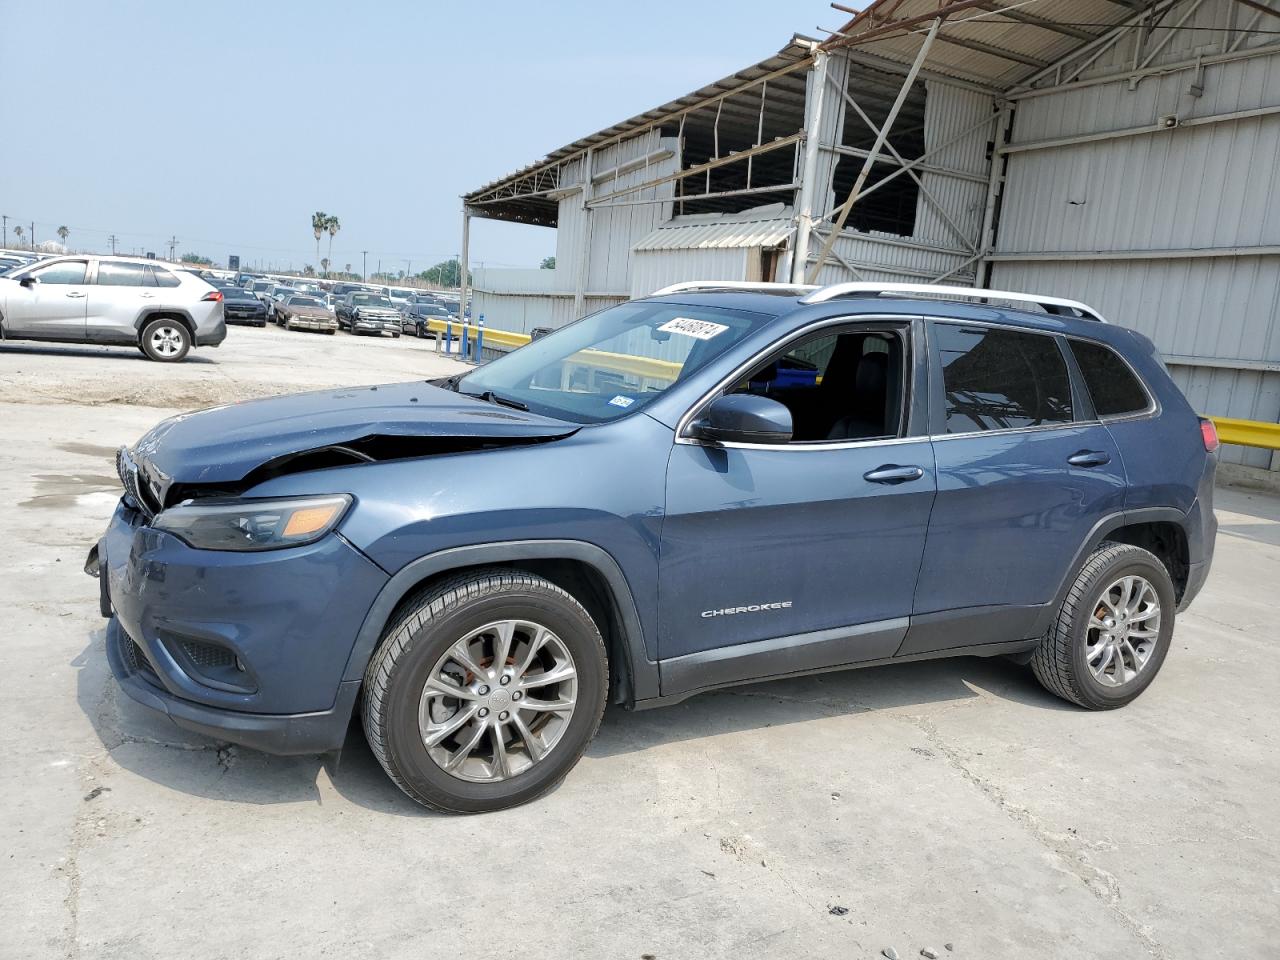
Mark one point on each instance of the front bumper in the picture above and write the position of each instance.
(312, 323)
(369, 325)
(247, 647)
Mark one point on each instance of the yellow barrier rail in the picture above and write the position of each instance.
(1248, 433)
(614, 362)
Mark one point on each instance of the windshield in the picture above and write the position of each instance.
(304, 302)
(613, 362)
(370, 300)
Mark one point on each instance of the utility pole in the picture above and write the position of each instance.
(4, 234)
(33, 235)
(112, 240)
(407, 266)
(364, 269)
(173, 247)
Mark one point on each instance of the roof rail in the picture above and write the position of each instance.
(1053, 305)
(760, 285)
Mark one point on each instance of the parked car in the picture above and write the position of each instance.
(476, 565)
(306, 312)
(279, 292)
(399, 296)
(368, 313)
(414, 317)
(261, 289)
(241, 306)
(162, 311)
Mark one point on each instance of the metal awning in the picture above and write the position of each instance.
(767, 227)
(996, 43)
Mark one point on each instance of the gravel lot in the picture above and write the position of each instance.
(911, 807)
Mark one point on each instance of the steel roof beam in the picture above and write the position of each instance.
(1044, 23)
(993, 51)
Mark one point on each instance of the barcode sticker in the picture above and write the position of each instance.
(698, 329)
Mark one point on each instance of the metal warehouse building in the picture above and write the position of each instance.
(1121, 152)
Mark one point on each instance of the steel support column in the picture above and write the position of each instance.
(464, 268)
(809, 171)
(875, 150)
(584, 237)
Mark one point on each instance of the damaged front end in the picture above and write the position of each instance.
(224, 451)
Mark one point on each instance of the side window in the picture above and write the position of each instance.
(67, 272)
(840, 385)
(164, 278)
(995, 379)
(111, 274)
(1112, 385)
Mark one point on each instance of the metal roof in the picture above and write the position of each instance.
(998, 43)
(766, 227)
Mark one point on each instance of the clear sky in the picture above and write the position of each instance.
(227, 124)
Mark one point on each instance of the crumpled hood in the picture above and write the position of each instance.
(224, 444)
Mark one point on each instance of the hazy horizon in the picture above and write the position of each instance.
(228, 126)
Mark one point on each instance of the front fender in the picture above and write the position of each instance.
(643, 671)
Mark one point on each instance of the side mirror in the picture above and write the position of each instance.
(28, 282)
(744, 418)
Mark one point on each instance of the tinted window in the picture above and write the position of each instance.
(164, 278)
(123, 275)
(1001, 379)
(1112, 385)
(304, 302)
(70, 271)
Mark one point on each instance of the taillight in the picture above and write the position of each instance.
(1209, 434)
(213, 296)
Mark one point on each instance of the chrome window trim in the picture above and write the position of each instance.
(774, 347)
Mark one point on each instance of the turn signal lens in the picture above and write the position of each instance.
(310, 519)
(1209, 434)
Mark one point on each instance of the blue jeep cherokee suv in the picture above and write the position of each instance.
(714, 485)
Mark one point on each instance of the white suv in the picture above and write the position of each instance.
(161, 310)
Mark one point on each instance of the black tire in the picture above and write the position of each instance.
(172, 332)
(428, 625)
(1060, 662)
(261, 323)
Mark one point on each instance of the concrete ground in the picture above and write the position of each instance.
(913, 807)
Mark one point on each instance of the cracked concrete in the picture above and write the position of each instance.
(943, 802)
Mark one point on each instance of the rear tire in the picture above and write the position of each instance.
(1112, 632)
(165, 340)
(403, 707)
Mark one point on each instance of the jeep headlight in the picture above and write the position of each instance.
(244, 525)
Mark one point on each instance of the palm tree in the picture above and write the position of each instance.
(324, 265)
(348, 270)
(333, 226)
(319, 223)
(17, 232)
(63, 233)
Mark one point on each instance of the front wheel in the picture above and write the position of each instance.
(1112, 632)
(485, 692)
(165, 340)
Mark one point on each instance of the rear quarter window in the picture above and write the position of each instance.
(1112, 385)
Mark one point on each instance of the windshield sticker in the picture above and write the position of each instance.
(621, 401)
(698, 329)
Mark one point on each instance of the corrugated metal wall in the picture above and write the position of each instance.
(936, 247)
(1210, 187)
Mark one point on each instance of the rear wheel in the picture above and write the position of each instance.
(485, 692)
(165, 340)
(1112, 632)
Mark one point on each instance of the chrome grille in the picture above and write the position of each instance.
(133, 492)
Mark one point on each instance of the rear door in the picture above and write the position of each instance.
(777, 559)
(118, 295)
(1025, 471)
(52, 308)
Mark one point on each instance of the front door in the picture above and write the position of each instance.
(1024, 474)
(781, 559)
(52, 308)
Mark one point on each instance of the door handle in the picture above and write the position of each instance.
(76, 296)
(892, 473)
(1089, 458)
(147, 296)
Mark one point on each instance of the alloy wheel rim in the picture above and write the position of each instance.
(166, 341)
(1123, 631)
(498, 701)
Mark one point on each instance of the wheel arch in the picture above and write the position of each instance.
(1162, 530)
(586, 571)
(155, 313)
